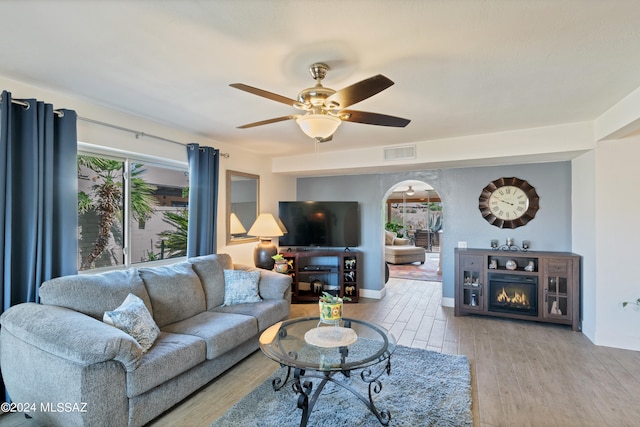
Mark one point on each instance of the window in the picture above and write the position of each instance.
(130, 211)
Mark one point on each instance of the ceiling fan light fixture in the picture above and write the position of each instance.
(318, 125)
(410, 191)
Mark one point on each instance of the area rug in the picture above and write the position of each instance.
(425, 388)
(416, 271)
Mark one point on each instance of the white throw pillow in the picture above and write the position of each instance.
(241, 287)
(133, 318)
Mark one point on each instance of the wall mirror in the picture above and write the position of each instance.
(243, 205)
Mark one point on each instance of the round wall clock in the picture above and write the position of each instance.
(508, 202)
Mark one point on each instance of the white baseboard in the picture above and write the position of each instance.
(448, 302)
(368, 293)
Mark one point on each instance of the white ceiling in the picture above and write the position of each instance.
(459, 67)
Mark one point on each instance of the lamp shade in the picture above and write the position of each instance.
(235, 226)
(283, 228)
(265, 226)
(318, 125)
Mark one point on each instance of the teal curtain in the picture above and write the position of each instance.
(38, 198)
(203, 199)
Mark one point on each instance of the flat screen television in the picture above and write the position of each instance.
(326, 224)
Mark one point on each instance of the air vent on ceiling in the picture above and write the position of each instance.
(406, 152)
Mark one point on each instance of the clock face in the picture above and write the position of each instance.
(508, 202)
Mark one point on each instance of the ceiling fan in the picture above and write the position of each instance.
(323, 109)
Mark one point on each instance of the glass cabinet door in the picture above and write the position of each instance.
(556, 290)
(472, 286)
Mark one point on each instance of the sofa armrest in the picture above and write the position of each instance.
(272, 285)
(70, 335)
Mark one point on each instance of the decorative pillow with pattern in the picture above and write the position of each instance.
(241, 287)
(133, 318)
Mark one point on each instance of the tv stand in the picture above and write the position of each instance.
(315, 271)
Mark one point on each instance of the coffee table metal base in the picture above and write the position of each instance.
(304, 388)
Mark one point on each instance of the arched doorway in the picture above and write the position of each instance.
(413, 221)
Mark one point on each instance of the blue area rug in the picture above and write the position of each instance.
(425, 388)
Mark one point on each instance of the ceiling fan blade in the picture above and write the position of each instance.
(266, 122)
(373, 118)
(357, 92)
(265, 94)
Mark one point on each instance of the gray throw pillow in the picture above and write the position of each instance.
(241, 287)
(133, 318)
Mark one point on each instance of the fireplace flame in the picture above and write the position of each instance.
(517, 298)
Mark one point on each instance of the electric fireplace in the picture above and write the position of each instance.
(513, 293)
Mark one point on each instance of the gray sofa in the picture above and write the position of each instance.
(77, 370)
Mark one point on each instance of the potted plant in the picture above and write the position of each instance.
(331, 307)
(395, 228)
(281, 265)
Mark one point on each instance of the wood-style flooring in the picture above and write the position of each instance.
(523, 373)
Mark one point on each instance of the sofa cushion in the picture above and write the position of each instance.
(175, 291)
(133, 318)
(210, 270)
(266, 312)
(241, 287)
(93, 294)
(271, 285)
(220, 331)
(171, 355)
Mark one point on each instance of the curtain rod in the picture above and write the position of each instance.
(58, 113)
(138, 134)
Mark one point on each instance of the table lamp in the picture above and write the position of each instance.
(265, 228)
(235, 226)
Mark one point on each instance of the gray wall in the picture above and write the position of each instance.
(459, 189)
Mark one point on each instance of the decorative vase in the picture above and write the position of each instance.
(330, 312)
(281, 267)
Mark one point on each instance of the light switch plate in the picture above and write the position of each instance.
(462, 245)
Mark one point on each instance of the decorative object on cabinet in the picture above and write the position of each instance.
(281, 264)
(508, 202)
(511, 264)
(510, 245)
(265, 228)
(546, 289)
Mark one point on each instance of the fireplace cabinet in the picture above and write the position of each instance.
(540, 286)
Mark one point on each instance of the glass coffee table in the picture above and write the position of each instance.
(311, 349)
